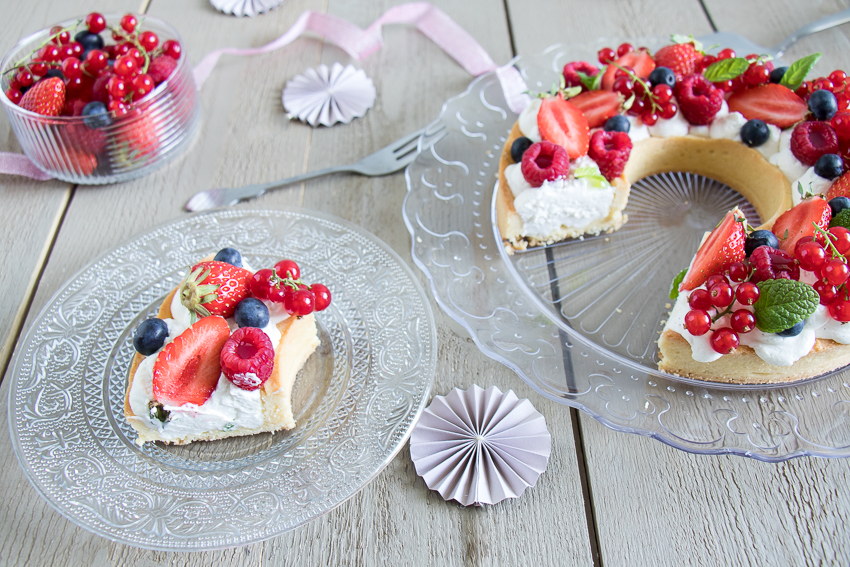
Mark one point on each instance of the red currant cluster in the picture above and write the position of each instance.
(650, 102)
(116, 74)
(282, 284)
(824, 255)
(716, 300)
(836, 83)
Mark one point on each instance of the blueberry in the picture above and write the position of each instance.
(96, 115)
(229, 255)
(754, 133)
(760, 238)
(829, 166)
(89, 40)
(54, 73)
(793, 331)
(150, 336)
(251, 312)
(838, 204)
(618, 123)
(823, 105)
(777, 74)
(662, 76)
(518, 148)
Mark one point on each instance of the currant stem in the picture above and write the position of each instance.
(829, 237)
(726, 312)
(655, 106)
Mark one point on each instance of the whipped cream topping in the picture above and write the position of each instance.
(528, 120)
(569, 201)
(516, 180)
(669, 127)
(637, 129)
(727, 127)
(785, 160)
(811, 183)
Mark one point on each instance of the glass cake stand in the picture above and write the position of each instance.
(579, 320)
(355, 400)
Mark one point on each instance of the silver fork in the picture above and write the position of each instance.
(393, 157)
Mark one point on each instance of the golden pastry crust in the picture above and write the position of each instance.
(299, 339)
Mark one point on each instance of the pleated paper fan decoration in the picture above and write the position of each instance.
(480, 446)
(248, 8)
(327, 96)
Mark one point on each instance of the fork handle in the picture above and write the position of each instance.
(252, 191)
(836, 19)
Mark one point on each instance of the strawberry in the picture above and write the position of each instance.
(98, 90)
(161, 68)
(610, 151)
(78, 160)
(560, 122)
(187, 370)
(811, 140)
(839, 188)
(795, 223)
(135, 140)
(771, 103)
(597, 106)
(214, 288)
(681, 58)
(723, 246)
(699, 100)
(83, 138)
(639, 61)
(46, 97)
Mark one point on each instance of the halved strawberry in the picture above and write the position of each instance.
(723, 246)
(639, 61)
(796, 222)
(214, 288)
(840, 187)
(597, 106)
(771, 103)
(560, 122)
(187, 370)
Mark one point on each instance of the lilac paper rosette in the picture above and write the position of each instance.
(327, 96)
(248, 8)
(480, 446)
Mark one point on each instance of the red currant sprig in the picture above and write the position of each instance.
(282, 284)
(650, 103)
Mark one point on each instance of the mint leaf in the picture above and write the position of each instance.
(796, 73)
(841, 219)
(726, 69)
(783, 303)
(674, 289)
(592, 175)
(592, 83)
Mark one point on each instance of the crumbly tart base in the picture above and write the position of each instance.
(744, 366)
(299, 339)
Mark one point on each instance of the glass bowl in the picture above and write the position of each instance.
(157, 128)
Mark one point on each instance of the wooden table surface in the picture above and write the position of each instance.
(607, 498)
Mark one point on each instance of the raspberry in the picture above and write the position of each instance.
(247, 358)
(544, 161)
(571, 71)
(610, 150)
(772, 263)
(161, 68)
(682, 58)
(699, 100)
(811, 140)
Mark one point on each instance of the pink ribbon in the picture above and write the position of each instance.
(358, 43)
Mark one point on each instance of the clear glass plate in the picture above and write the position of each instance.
(579, 320)
(355, 400)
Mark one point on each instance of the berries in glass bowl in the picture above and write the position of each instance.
(91, 102)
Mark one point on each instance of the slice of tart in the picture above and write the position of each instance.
(221, 358)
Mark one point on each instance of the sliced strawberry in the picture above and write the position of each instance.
(597, 106)
(795, 223)
(187, 370)
(771, 103)
(723, 246)
(214, 288)
(639, 61)
(560, 122)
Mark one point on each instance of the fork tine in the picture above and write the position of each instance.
(406, 140)
(430, 139)
(411, 155)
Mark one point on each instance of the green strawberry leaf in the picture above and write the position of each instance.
(677, 281)
(796, 73)
(678, 38)
(593, 83)
(784, 303)
(726, 69)
(593, 177)
(570, 92)
(841, 219)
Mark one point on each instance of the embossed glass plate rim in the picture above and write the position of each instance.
(557, 50)
(429, 370)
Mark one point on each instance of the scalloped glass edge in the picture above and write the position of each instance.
(12, 374)
(464, 321)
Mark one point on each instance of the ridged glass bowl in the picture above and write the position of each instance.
(157, 128)
(579, 321)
